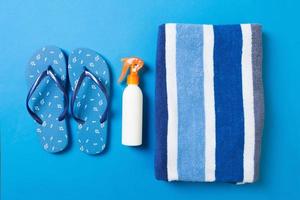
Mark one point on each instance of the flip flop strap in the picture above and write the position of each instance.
(84, 74)
(48, 72)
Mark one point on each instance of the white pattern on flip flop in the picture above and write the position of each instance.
(38, 57)
(81, 148)
(97, 58)
(32, 63)
(74, 60)
(46, 146)
(92, 64)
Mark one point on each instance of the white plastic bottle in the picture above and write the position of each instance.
(132, 106)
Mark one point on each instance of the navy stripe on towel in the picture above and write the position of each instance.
(161, 109)
(228, 103)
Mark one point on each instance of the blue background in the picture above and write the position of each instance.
(122, 28)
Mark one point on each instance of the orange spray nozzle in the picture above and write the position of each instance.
(135, 64)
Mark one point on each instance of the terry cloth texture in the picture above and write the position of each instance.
(209, 103)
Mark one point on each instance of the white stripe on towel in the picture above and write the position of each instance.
(209, 102)
(248, 104)
(172, 137)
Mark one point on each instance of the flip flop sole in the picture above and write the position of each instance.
(48, 101)
(90, 101)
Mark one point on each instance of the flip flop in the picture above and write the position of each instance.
(47, 99)
(90, 82)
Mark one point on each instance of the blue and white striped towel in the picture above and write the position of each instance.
(209, 102)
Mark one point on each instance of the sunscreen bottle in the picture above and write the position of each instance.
(132, 103)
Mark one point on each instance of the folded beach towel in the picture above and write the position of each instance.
(209, 103)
